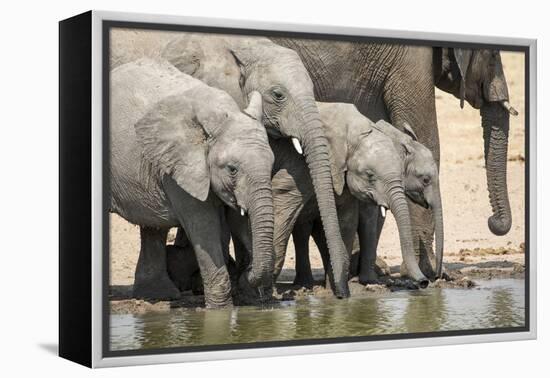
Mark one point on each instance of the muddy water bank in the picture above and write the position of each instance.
(460, 275)
(492, 303)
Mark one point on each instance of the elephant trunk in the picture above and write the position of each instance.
(261, 223)
(496, 123)
(317, 158)
(437, 210)
(400, 209)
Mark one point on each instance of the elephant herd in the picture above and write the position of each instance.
(253, 140)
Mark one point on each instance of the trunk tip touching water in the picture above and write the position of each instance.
(261, 216)
(400, 210)
(315, 148)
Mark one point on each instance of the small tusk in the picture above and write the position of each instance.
(506, 105)
(297, 145)
(383, 211)
(242, 212)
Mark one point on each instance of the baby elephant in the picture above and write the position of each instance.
(179, 150)
(379, 166)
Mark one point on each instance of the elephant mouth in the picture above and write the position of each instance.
(274, 133)
(417, 198)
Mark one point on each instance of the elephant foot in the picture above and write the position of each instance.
(304, 280)
(372, 270)
(217, 289)
(157, 289)
(369, 278)
(197, 287)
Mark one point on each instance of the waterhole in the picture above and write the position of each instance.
(491, 304)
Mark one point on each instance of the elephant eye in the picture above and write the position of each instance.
(426, 180)
(370, 174)
(232, 170)
(278, 95)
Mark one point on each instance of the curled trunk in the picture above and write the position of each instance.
(260, 213)
(400, 209)
(317, 158)
(496, 122)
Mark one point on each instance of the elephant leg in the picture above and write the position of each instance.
(242, 255)
(242, 239)
(225, 237)
(203, 226)
(181, 238)
(287, 207)
(300, 235)
(320, 241)
(348, 218)
(212, 264)
(371, 223)
(151, 280)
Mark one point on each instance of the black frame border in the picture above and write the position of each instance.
(75, 188)
(107, 25)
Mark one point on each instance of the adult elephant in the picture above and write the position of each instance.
(180, 148)
(240, 65)
(396, 83)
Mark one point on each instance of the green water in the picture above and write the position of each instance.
(492, 304)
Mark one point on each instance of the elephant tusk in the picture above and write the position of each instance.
(506, 105)
(297, 145)
(383, 211)
(242, 212)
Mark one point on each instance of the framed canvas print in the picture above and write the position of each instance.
(232, 189)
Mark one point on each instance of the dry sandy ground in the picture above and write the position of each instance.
(463, 184)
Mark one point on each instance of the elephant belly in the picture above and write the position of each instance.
(141, 205)
(142, 215)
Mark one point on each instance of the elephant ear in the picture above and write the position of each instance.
(185, 54)
(338, 151)
(462, 58)
(244, 59)
(174, 143)
(408, 130)
(403, 138)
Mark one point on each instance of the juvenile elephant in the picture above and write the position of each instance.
(396, 83)
(240, 65)
(374, 165)
(180, 148)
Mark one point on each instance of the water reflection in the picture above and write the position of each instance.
(496, 303)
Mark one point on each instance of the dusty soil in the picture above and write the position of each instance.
(471, 250)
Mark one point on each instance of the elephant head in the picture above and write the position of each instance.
(477, 76)
(372, 165)
(241, 65)
(203, 141)
(421, 179)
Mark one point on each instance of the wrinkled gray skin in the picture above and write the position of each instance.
(396, 83)
(240, 65)
(379, 166)
(371, 164)
(177, 150)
